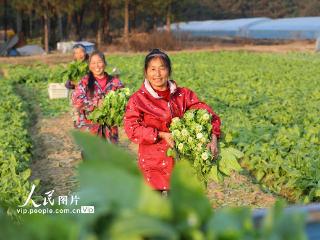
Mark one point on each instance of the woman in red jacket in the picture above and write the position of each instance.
(148, 117)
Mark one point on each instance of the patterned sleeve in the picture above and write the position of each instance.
(81, 99)
(117, 84)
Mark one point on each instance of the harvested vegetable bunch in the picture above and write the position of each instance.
(111, 112)
(75, 71)
(192, 134)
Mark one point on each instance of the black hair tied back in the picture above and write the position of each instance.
(91, 83)
(91, 76)
(157, 53)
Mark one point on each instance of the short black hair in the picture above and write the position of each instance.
(157, 53)
(79, 45)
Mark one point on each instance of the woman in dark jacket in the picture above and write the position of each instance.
(79, 55)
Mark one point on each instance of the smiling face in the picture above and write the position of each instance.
(79, 54)
(97, 65)
(157, 74)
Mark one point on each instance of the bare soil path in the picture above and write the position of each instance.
(55, 156)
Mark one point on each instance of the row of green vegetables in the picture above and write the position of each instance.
(268, 103)
(270, 108)
(15, 148)
(126, 208)
(34, 79)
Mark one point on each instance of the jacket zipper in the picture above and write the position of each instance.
(169, 106)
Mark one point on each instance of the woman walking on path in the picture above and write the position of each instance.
(148, 116)
(79, 55)
(89, 94)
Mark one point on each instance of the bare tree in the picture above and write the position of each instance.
(103, 17)
(5, 23)
(168, 16)
(126, 22)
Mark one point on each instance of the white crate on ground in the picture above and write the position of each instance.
(57, 90)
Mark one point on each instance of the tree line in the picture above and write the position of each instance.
(102, 20)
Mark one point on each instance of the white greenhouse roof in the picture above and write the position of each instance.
(216, 27)
(287, 28)
(263, 28)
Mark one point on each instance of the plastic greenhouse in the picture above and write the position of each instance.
(219, 28)
(257, 28)
(287, 28)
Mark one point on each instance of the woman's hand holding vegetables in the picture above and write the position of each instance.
(213, 146)
(167, 137)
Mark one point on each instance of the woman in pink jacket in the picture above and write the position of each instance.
(89, 94)
(148, 116)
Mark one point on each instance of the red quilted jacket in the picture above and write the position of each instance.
(146, 115)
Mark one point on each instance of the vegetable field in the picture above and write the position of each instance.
(269, 105)
(270, 108)
(14, 149)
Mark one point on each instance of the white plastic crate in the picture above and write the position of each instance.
(57, 90)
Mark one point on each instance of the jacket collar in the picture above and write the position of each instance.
(153, 93)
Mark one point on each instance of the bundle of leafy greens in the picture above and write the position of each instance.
(75, 71)
(111, 112)
(192, 134)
